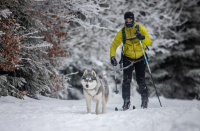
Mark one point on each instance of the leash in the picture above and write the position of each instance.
(115, 70)
(120, 69)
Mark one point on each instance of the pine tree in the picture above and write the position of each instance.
(178, 72)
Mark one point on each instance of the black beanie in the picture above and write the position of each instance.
(129, 15)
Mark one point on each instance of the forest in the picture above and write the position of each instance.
(45, 45)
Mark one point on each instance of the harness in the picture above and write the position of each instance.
(97, 91)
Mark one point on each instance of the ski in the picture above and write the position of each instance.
(116, 109)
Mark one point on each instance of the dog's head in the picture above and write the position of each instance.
(89, 80)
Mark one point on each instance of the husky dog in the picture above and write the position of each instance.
(95, 88)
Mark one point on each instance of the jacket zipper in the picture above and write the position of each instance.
(132, 43)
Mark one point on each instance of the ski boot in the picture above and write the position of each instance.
(144, 104)
(126, 105)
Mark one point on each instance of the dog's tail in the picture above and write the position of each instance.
(105, 86)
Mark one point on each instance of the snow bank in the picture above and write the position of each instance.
(190, 121)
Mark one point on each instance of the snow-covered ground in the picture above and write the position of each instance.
(70, 115)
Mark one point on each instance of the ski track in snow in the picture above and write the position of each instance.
(70, 115)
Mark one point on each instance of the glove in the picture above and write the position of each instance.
(113, 61)
(139, 35)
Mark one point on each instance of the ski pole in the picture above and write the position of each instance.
(150, 73)
(115, 71)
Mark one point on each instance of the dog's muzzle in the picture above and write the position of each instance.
(87, 86)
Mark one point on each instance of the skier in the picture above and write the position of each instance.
(132, 52)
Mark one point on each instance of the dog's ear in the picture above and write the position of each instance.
(94, 74)
(85, 72)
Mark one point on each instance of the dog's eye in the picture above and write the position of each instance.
(90, 80)
(85, 80)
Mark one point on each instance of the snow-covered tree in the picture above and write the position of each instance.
(33, 68)
(178, 72)
(9, 57)
(36, 35)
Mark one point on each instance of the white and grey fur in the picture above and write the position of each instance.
(95, 88)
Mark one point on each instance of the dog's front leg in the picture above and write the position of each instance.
(98, 107)
(88, 101)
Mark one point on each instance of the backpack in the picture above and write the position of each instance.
(124, 34)
(124, 41)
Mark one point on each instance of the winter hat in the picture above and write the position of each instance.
(129, 15)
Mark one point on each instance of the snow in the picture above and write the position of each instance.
(49, 114)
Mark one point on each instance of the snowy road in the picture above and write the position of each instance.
(59, 115)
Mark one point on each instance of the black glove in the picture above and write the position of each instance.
(139, 35)
(113, 61)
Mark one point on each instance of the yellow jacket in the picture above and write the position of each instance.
(132, 48)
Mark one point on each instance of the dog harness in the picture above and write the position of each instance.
(96, 93)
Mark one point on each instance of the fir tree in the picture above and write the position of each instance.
(33, 69)
(178, 73)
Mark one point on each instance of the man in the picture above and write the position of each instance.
(132, 52)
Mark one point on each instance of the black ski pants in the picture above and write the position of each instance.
(140, 68)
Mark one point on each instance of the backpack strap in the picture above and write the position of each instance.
(137, 27)
(124, 41)
(124, 35)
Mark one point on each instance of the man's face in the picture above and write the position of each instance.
(128, 20)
